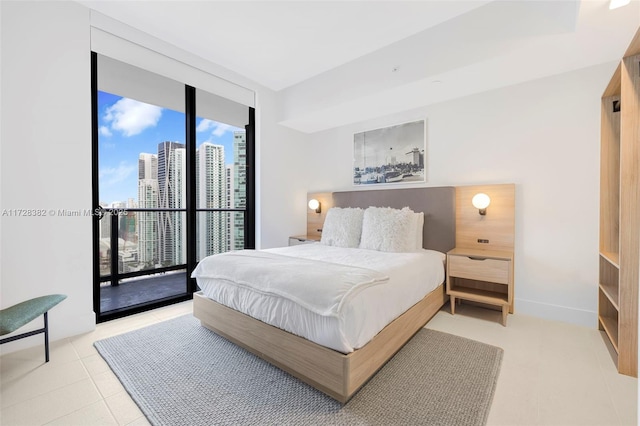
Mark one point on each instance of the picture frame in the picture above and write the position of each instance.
(391, 155)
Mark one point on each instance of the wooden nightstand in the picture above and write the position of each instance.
(302, 239)
(484, 276)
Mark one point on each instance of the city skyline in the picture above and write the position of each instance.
(128, 128)
(142, 164)
(158, 239)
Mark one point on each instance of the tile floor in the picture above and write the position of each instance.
(552, 374)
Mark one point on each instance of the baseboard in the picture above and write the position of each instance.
(557, 313)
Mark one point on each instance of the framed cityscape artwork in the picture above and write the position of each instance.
(391, 155)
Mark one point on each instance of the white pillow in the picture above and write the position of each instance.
(342, 227)
(387, 229)
(419, 225)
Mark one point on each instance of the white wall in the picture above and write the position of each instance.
(541, 135)
(282, 181)
(46, 161)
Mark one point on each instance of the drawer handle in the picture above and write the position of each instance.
(477, 258)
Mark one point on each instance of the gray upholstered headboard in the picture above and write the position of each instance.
(437, 203)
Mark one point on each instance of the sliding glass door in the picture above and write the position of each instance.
(170, 186)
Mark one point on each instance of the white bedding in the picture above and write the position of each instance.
(369, 304)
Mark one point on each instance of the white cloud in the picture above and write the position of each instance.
(131, 117)
(104, 131)
(219, 129)
(204, 125)
(114, 175)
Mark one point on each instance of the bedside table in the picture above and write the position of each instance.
(302, 239)
(484, 276)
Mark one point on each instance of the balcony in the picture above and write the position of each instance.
(142, 290)
(151, 263)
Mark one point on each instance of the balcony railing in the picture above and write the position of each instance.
(152, 241)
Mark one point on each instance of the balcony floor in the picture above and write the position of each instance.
(137, 291)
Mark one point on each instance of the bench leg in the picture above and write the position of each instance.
(44, 330)
(46, 337)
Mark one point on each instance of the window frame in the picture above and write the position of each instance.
(191, 209)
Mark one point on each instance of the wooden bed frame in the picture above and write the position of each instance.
(341, 375)
(338, 375)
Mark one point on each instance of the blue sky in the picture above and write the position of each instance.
(128, 127)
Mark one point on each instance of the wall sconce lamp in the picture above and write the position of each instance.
(315, 205)
(481, 201)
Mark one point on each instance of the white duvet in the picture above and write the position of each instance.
(337, 297)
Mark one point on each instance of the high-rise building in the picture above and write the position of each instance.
(148, 245)
(147, 166)
(105, 224)
(231, 201)
(179, 176)
(162, 185)
(211, 194)
(239, 187)
(127, 226)
(417, 157)
(105, 242)
(148, 197)
(171, 195)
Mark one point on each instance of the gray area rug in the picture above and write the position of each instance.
(180, 373)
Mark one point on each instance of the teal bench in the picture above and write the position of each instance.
(14, 317)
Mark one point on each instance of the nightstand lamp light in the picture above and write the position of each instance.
(614, 4)
(315, 205)
(481, 201)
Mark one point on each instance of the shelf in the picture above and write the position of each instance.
(608, 316)
(610, 327)
(612, 258)
(609, 279)
(611, 293)
(479, 295)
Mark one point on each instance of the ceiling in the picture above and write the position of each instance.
(338, 62)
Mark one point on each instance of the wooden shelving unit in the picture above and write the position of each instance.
(619, 210)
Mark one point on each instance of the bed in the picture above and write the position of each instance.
(337, 361)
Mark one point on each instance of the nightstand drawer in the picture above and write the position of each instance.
(478, 268)
(301, 239)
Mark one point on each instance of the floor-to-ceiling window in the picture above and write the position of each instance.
(170, 180)
(221, 183)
